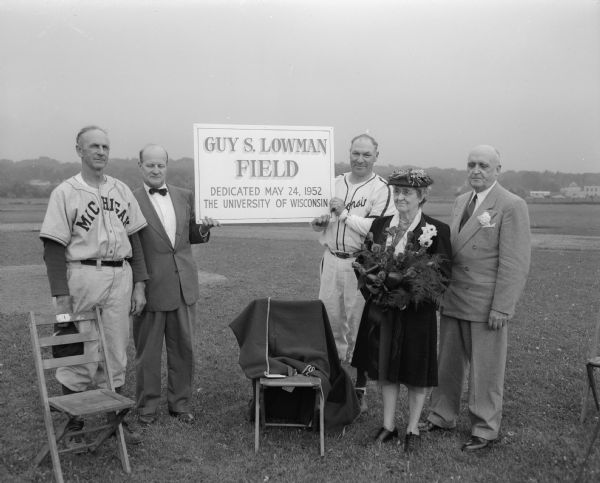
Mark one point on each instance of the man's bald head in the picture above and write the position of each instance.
(483, 167)
(154, 151)
(486, 150)
(153, 164)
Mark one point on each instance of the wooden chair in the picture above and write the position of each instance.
(79, 404)
(297, 381)
(288, 351)
(593, 362)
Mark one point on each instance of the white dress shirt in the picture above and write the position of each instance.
(164, 208)
(480, 196)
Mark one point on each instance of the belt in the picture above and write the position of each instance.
(104, 263)
(342, 255)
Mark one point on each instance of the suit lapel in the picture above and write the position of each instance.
(151, 215)
(472, 226)
(458, 210)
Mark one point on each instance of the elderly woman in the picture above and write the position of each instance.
(398, 345)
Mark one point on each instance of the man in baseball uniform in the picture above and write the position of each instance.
(90, 247)
(360, 196)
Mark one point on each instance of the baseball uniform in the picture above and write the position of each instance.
(343, 237)
(94, 225)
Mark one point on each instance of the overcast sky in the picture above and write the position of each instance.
(429, 79)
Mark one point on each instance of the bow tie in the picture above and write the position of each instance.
(160, 191)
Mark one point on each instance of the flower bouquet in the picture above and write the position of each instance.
(396, 280)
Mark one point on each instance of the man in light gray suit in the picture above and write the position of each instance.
(491, 252)
(171, 290)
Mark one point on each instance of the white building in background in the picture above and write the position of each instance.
(539, 194)
(592, 191)
(573, 191)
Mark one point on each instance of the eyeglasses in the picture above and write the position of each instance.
(404, 191)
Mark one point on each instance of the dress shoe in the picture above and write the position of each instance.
(428, 427)
(183, 416)
(410, 441)
(147, 419)
(384, 435)
(476, 443)
(361, 394)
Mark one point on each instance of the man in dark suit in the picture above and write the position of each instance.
(171, 291)
(491, 252)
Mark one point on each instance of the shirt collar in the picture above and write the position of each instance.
(413, 225)
(482, 194)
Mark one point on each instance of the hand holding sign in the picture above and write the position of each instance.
(320, 222)
(208, 223)
(337, 206)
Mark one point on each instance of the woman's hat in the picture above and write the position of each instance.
(411, 178)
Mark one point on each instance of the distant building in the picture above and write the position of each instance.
(592, 191)
(539, 194)
(573, 191)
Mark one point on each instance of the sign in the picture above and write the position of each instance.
(262, 174)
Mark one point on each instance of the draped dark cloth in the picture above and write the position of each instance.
(400, 346)
(297, 335)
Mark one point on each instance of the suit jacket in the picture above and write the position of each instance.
(490, 261)
(172, 270)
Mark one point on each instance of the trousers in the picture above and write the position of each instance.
(473, 347)
(343, 301)
(109, 287)
(175, 328)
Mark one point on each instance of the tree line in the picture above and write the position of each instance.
(37, 177)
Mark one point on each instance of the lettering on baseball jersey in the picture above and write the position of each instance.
(92, 222)
(366, 201)
(91, 213)
(356, 204)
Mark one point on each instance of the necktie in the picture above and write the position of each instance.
(160, 191)
(468, 212)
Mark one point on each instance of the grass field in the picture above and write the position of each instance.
(541, 440)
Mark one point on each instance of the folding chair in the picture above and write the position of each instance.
(79, 404)
(288, 352)
(297, 381)
(593, 362)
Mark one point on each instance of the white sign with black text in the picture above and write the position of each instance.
(262, 174)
